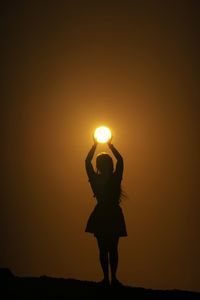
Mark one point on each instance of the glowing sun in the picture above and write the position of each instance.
(102, 134)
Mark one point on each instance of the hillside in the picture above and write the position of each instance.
(44, 287)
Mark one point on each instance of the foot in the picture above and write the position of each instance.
(105, 282)
(116, 283)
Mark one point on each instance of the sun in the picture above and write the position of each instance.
(102, 134)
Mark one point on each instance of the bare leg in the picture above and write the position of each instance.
(103, 257)
(113, 255)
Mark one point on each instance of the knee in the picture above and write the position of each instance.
(113, 251)
(103, 251)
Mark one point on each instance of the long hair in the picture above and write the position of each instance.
(104, 163)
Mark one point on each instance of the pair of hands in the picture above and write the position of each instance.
(109, 142)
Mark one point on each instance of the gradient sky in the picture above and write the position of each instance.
(66, 68)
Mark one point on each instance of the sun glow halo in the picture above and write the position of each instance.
(102, 134)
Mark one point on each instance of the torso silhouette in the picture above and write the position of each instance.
(107, 217)
(106, 189)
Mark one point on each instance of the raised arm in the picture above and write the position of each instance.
(120, 164)
(88, 162)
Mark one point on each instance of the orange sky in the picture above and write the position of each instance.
(66, 70)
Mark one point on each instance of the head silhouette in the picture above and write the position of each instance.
(104, 163)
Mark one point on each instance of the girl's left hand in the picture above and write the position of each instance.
(109, 142)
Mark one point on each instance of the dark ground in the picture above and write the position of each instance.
(13, 287)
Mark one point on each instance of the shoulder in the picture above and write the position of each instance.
(117, 176)
(93, 176)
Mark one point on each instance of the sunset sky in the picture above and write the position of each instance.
(66, 68)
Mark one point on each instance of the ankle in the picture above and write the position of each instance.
(106, 279)
(113, 278)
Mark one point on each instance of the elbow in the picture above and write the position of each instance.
(120, 159)
(87, 161)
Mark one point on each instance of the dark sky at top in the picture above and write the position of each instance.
(67, 67)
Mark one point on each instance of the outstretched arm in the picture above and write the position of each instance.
(120, 163)
(88, 161)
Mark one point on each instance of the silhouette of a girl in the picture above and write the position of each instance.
(106, 221)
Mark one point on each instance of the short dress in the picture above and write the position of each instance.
(107, 218)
